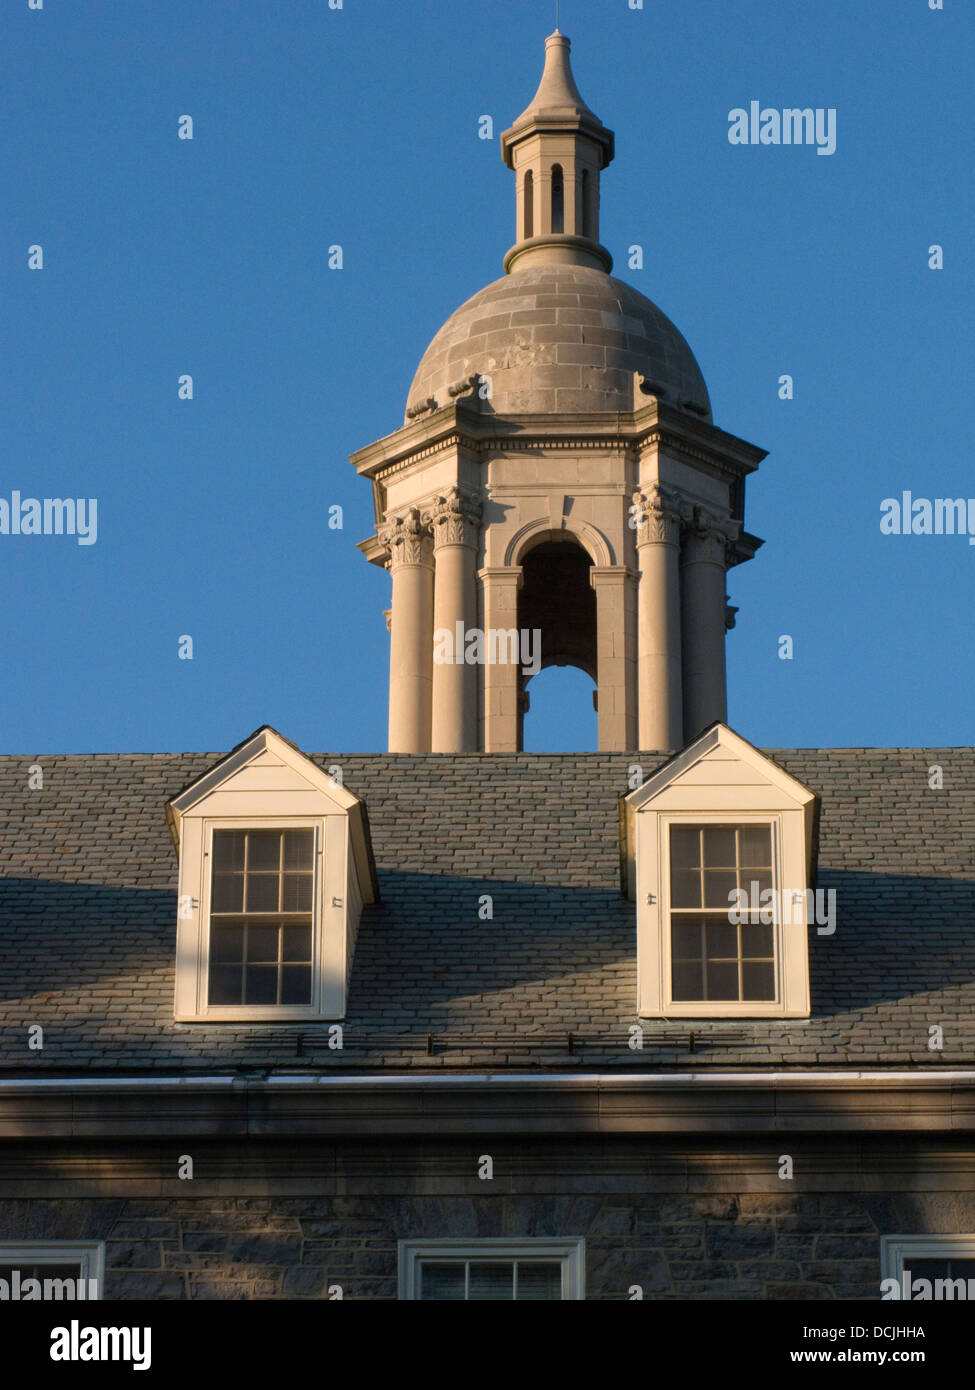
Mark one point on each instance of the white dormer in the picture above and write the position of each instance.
(275, 864)
(719, 852)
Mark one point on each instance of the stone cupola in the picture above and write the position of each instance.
(558, 474)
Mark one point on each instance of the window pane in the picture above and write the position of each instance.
(226, 943)
(228, 893)
(758, 980)
(685, 846)
(722, 979)
(262, 943)
(685, 888)
(722, 941)
(719, 846)
(262, 984)
(296, 945)
(438, 1281)
(228, 849)
(262, 892)
(226, 984)
(299, 849)
(494, 1281)
(263, 849)
(718, 886)
(755, 882)
(756, 940)
(297, 893)
(296, 984)
(539, 1281)
(756, 846)
(687, 942)
(687, 981)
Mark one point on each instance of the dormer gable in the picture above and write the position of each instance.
(275, 864)
(719, 852)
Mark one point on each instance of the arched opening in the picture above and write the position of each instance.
(529, 203)
(558, 199)
(588, 206)
(561, 715)
(557, 614)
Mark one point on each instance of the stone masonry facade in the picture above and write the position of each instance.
(735, 1246)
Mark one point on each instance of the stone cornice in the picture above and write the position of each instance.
(329, 1106)
(460, 426)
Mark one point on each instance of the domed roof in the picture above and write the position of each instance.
(560, 338)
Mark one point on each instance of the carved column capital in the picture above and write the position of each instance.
(657, 515)
(407, 539)
(455, 518)
(711, 538)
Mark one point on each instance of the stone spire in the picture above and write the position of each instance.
(557, 148)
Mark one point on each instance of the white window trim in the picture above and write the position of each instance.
(570, 1252)
(89, 1255)
(327, 917)
(896, 1250)
(653, 890)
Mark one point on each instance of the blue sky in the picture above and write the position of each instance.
(359, 126)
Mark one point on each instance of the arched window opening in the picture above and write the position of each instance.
(561, 715)
(558, 199)
(588, 206)
(529, 204)
(557, 617)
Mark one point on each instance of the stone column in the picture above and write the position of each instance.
(499, 590)
(616, 667)
(455, 522)
(703, 602)
(658, 548)
(411, 631)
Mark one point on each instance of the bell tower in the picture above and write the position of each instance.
(558, 493)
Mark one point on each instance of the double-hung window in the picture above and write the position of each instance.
(718, 848)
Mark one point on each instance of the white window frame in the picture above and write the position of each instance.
(895, 1250)
(570, 1252)
(88, 1255)
(266, 783)
(329, 846)
(716, 1007)
(719, 779)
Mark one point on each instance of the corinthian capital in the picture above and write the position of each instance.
(711, 538)
(656, 515)
(407, 538)
(455, 517)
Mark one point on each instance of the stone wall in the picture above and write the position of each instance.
(674, 1246)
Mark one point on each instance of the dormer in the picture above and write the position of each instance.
(275, 864)
(719, 851)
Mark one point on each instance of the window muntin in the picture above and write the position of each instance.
(262, 897)
(715, 958)
(498, 1280)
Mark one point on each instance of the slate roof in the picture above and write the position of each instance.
(88, 921)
